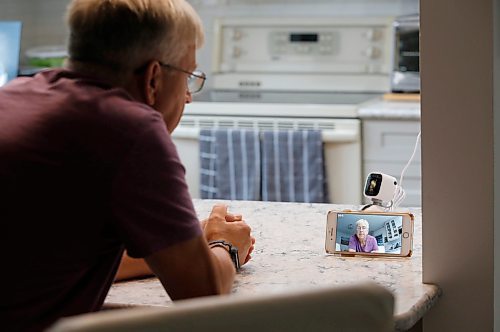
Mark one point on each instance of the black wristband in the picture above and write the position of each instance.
(233, 251)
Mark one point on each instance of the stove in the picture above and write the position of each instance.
(290, 74)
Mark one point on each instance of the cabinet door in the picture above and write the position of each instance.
(387, 147)
(385, 140)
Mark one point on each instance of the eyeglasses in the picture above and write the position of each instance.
(195, 80)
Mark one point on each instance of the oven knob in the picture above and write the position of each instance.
(326, 36)
(237, 34)
(372, 52)
(236, 52)
(372, 34)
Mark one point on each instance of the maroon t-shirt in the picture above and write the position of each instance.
(85, 171)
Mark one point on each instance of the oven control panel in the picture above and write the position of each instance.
(286, 43)
(351, 54)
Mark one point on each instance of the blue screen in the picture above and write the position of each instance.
(10, 43)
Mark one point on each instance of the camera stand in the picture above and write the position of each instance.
(377, 206)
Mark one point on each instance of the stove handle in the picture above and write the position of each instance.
(329, 136)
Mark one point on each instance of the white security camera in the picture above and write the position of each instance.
(380, 188)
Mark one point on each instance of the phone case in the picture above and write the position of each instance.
(373, 255)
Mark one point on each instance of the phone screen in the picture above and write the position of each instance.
(369, 233)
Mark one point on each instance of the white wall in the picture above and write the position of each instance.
(44, 25)
(458, 169)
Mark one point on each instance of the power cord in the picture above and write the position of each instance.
(399, 194)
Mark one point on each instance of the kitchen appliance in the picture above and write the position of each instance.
(294, 73)
(47, 56)
(406, 74)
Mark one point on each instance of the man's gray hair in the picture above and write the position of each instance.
(126, 34)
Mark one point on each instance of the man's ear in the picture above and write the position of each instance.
(152, 82)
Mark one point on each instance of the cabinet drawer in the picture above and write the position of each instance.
(390, 140)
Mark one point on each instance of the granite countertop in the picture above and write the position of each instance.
(289, 254)
(384, 109)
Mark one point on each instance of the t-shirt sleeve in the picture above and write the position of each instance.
(151, 204)
(352, 243)
(374, 243)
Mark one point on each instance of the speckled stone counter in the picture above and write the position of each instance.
(289, 254)
(383, 109)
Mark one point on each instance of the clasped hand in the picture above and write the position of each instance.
(231, 228)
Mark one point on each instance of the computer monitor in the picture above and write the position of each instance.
(10, 45)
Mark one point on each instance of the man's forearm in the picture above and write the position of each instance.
(191, 269)
(132, 268)
(224, 268)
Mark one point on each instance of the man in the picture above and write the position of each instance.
(88, 168)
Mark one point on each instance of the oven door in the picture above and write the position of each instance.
(342, 148)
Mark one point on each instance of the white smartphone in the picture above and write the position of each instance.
(369, 233)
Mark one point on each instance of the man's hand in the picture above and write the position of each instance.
(231, 228)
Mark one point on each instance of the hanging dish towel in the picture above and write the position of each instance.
(208, 187)
(293, 167)
(230, 164)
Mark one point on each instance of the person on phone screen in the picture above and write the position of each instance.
(362, 241)
(88, 169)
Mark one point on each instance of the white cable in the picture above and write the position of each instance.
(409, 161)
(399, 194)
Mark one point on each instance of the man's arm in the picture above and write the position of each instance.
(137, 267)
(191, 269)
(132, 268)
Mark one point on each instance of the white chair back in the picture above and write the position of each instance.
(367, 307)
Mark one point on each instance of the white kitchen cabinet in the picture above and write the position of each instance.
(387, 146)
